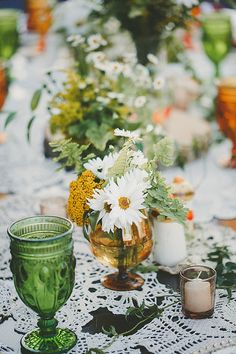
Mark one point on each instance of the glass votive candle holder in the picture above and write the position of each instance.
(197, 287)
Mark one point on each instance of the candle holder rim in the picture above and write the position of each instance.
(195, 266)
(34, 240)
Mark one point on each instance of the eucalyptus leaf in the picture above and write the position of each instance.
(11, 116)
(29, 126)
(35, 99)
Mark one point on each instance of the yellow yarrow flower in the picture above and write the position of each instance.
(80, 191)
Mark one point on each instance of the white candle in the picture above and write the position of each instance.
(197, 296)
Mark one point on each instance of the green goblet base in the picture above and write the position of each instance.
(61, 342)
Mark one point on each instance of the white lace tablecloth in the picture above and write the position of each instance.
(169, 334)
(27, 174)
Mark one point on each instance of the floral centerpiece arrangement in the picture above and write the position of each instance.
(99, 95)
(147, 20)
(112, 198)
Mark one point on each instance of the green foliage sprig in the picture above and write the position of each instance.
(142, 268)
(71, 154)
(143, 313)
(226, 270)
(159, 198)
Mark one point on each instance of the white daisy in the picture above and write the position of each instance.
(158, 83)
(99, 203)
(95, 41)
(126, 133)
(126, 200)
(100, 167)
(153, 59)
(129, 58)
(96, 57)
(140, 101)
(114, 68)
(112, 25)
(140, 176)
(75, 39)
(127, 71)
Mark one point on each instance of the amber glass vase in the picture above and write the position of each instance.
(43, 268)
(226, 113)
(3, 84)
(39, 19)
(112, 250)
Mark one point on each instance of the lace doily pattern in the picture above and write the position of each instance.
(171, 333)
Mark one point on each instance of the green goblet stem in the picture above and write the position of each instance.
(217, 70)
(47, 327)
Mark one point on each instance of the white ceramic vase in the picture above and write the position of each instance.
(169, 243)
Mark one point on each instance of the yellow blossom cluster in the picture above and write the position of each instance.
(80, 190)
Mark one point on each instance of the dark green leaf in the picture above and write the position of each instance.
(11, 116)
(93, 218)
(29, 126)
(145, 268)
(95, 350)
(35, 99)
(110, 332)
(99, 136)
(230, 266)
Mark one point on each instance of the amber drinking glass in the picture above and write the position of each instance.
(226, 113)
(9, 37)
(112, 250)
(39, 19)
(197, 286)
(43, 268)
(217, 38)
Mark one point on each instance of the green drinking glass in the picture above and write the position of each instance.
(217, 38)
(43, 268)
(9, 36)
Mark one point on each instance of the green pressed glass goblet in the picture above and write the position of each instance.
(217, 38)
(43, 268)
(9, 36)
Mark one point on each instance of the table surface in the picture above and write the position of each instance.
(26, 177)
(96, 307)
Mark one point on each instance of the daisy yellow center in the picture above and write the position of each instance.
(124, 202)
(107, 207)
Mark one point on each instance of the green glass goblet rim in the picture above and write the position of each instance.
(39, 218)
(9, 15)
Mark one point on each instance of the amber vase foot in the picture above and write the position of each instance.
(122, 282)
